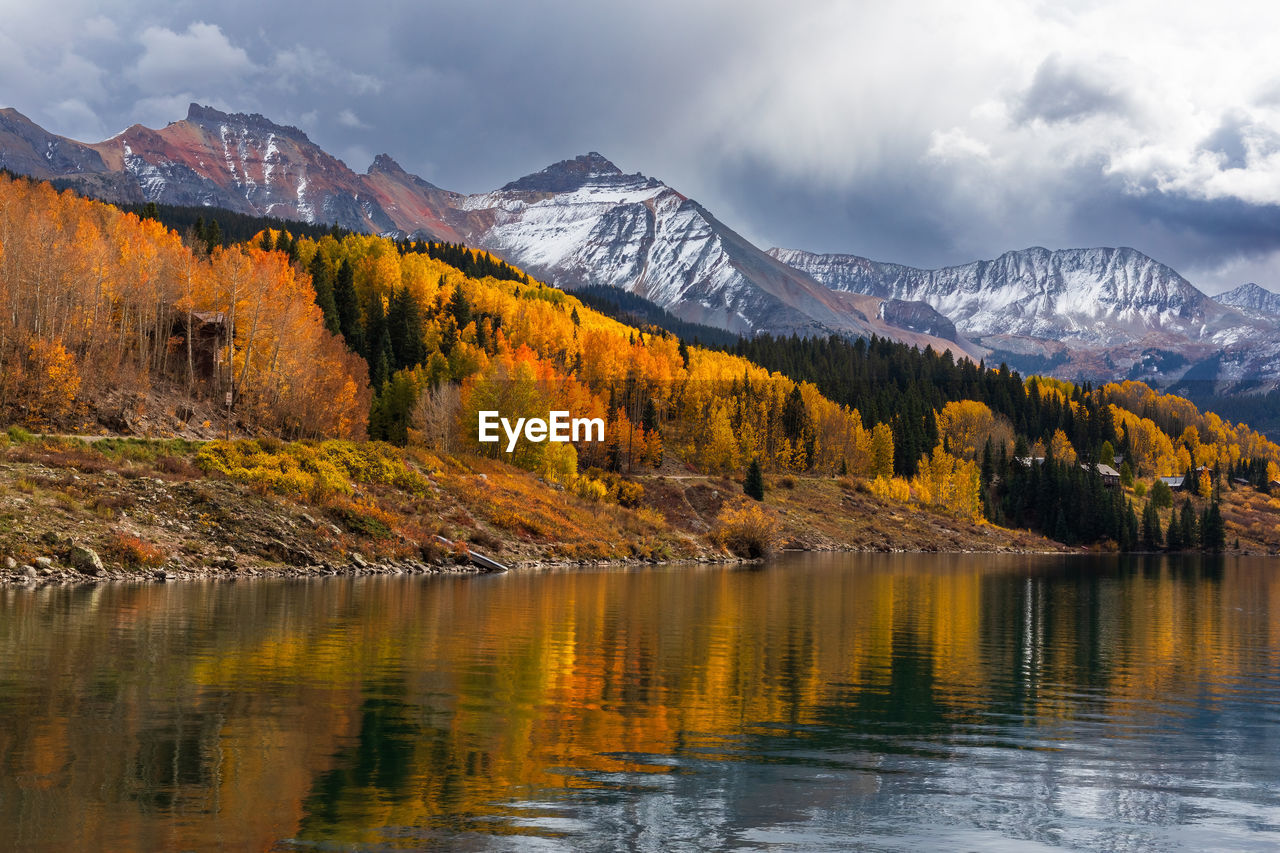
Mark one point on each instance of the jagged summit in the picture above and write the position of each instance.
(570, 175)
(387, 164)
(384, 165)
(210, 116)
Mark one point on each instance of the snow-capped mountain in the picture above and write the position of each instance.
(584, 221)
(244, 163)
(1091, 311)
(1252, 299)
(1087, 295)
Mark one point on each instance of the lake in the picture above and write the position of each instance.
(879, 702)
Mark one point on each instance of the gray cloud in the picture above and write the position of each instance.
(1228, 142)
(1060, 92)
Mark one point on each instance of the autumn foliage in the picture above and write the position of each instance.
(357, 336)
(101, 305)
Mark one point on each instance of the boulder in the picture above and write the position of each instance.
(86, 560)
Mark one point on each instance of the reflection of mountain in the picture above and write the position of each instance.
(690, 706)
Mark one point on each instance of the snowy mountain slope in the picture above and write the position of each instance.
(1112, 308)
(584, 222)
(577, 222)
(1252, 299)
(1087, 295)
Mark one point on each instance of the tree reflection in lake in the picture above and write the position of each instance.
(898, 701)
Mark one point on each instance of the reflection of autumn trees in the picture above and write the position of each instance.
(256, 713)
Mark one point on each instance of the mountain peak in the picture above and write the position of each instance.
(1251, 297)
(207, 116)
(569, 175)
(386, 164)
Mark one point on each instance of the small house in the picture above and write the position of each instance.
(208, 339)
(1110, 476)
(1174, 483)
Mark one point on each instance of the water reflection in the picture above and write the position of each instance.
(897, 702)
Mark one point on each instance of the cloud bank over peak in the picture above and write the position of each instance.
(927, 133)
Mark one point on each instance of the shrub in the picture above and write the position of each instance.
(177, 466)
(890, 489)
(18, 435)
(617, 490)
(484, 539)
(133, 552)
(310, 470)
(747, 530)
(362, 519)
(591, 490)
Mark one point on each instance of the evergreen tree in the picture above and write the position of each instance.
(212, 237)
(322, 282)
(1061, 532)
(1130, 542)
(650, 418)
(378, 341)
(460, 308)
(1190, 529)
(1151, 537)
(1214, 529)
(753, 486)
(404, 326)
(347, 305)
(1175, 541)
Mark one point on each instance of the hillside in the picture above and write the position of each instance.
(343, 336)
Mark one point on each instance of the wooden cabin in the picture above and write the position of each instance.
(209, 333)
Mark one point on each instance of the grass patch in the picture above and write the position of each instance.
(362, 519)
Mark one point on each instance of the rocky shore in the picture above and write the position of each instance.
(73, 513)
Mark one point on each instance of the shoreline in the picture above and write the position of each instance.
(62, 576)
(76, 513)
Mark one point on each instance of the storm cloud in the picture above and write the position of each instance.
(926, 133)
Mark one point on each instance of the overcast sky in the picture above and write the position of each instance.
(925, 133)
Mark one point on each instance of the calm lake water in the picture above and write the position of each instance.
(821, 702)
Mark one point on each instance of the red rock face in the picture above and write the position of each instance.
(249, 164)
(245, 163)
